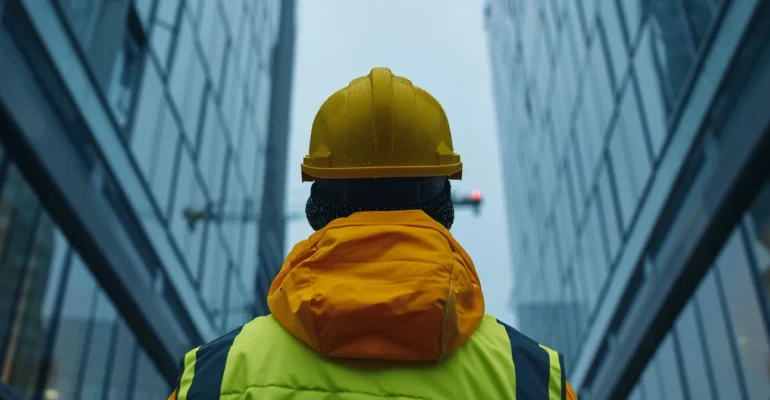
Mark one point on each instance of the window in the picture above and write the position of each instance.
(148, 383)
(146, 120)
(717, 338)
(594, 255)
(618, 53)
(638, 157)
(125, 74)
(673, 43)
(213, 37)
(620, 153)
(588, 11)
(694, 363)
(700, 14)
(758, 232)
(751, 337)
(235, 10)
(564, 224)
(189, 196)
(187, 80)
(167, 148)
(213, 276)
(239, 308)
(249, 151)
(600, 87)
(608, 213)
(144, 11)
(589, 147)
(632, 15)
(670, 370)
(576, 36)
(234, 203)
(213, 149)
(248, 254)
(263, 102)
(653, 101)
(652, 381)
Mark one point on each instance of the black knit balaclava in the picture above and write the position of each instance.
(330, 200)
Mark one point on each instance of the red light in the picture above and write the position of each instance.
(476, 195)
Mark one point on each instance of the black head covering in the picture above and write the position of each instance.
(339, 198)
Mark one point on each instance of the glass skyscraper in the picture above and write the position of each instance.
(142, 165)
(635, 147)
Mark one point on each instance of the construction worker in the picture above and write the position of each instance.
(381, 301)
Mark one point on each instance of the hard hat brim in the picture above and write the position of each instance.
(451, 171)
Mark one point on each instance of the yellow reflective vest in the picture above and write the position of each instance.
(380, 305)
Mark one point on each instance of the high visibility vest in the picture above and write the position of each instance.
(262, 360)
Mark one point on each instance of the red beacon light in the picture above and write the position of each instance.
(476, 195)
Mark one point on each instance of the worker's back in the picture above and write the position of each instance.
(375, 305)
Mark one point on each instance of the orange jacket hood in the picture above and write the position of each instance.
(379, 285)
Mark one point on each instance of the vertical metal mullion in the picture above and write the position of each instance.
(108, 370)
(53, 329)
(83, 364)
(730, 333)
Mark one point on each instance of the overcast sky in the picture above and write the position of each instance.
(439, 45)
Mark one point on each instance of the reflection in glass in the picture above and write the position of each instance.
(751, 337)
(693, 358)
(189, 196)
(620, 153)
(72, 334)
(125, 74)
(608, 213)
(653, 100)
(22, 323)
(672, 43)
(759, 233)
(717, 340)
(146, 120)
(670, 371)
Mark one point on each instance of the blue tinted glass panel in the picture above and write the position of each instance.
(248, 257)
(564, 223)
(600, 87)
(671, 380)
(576, 40)
(653, 102)
(239, 309)
(618, 53)
(620, 153)
(212, 152)
(632, 15)
(167, 148)
(638, 156)
(189, 196)
(213, 37)
(148, 384)
(146, 120)
(25, 316)
(187, 80)
(608, 213)
(673, 44)
(167, 11)
(652, 381)
(588, 8)
(693, 359)
(144, 10)
(123, 352)
(717, 339)
(594, 256)
(235, 205)
(160, 43)
(213, 281)
(99, 344)
(700, 15)
(72, 336)
(745, 315)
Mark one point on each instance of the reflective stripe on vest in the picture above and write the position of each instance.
(262, 360)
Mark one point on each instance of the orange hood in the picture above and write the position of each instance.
(379, 285)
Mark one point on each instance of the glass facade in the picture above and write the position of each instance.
(620, 117)
(138, 141)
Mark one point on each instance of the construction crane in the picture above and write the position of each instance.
(211, 211)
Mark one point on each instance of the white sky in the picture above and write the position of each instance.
(440, 45)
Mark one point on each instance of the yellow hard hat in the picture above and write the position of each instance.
(380, 126)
